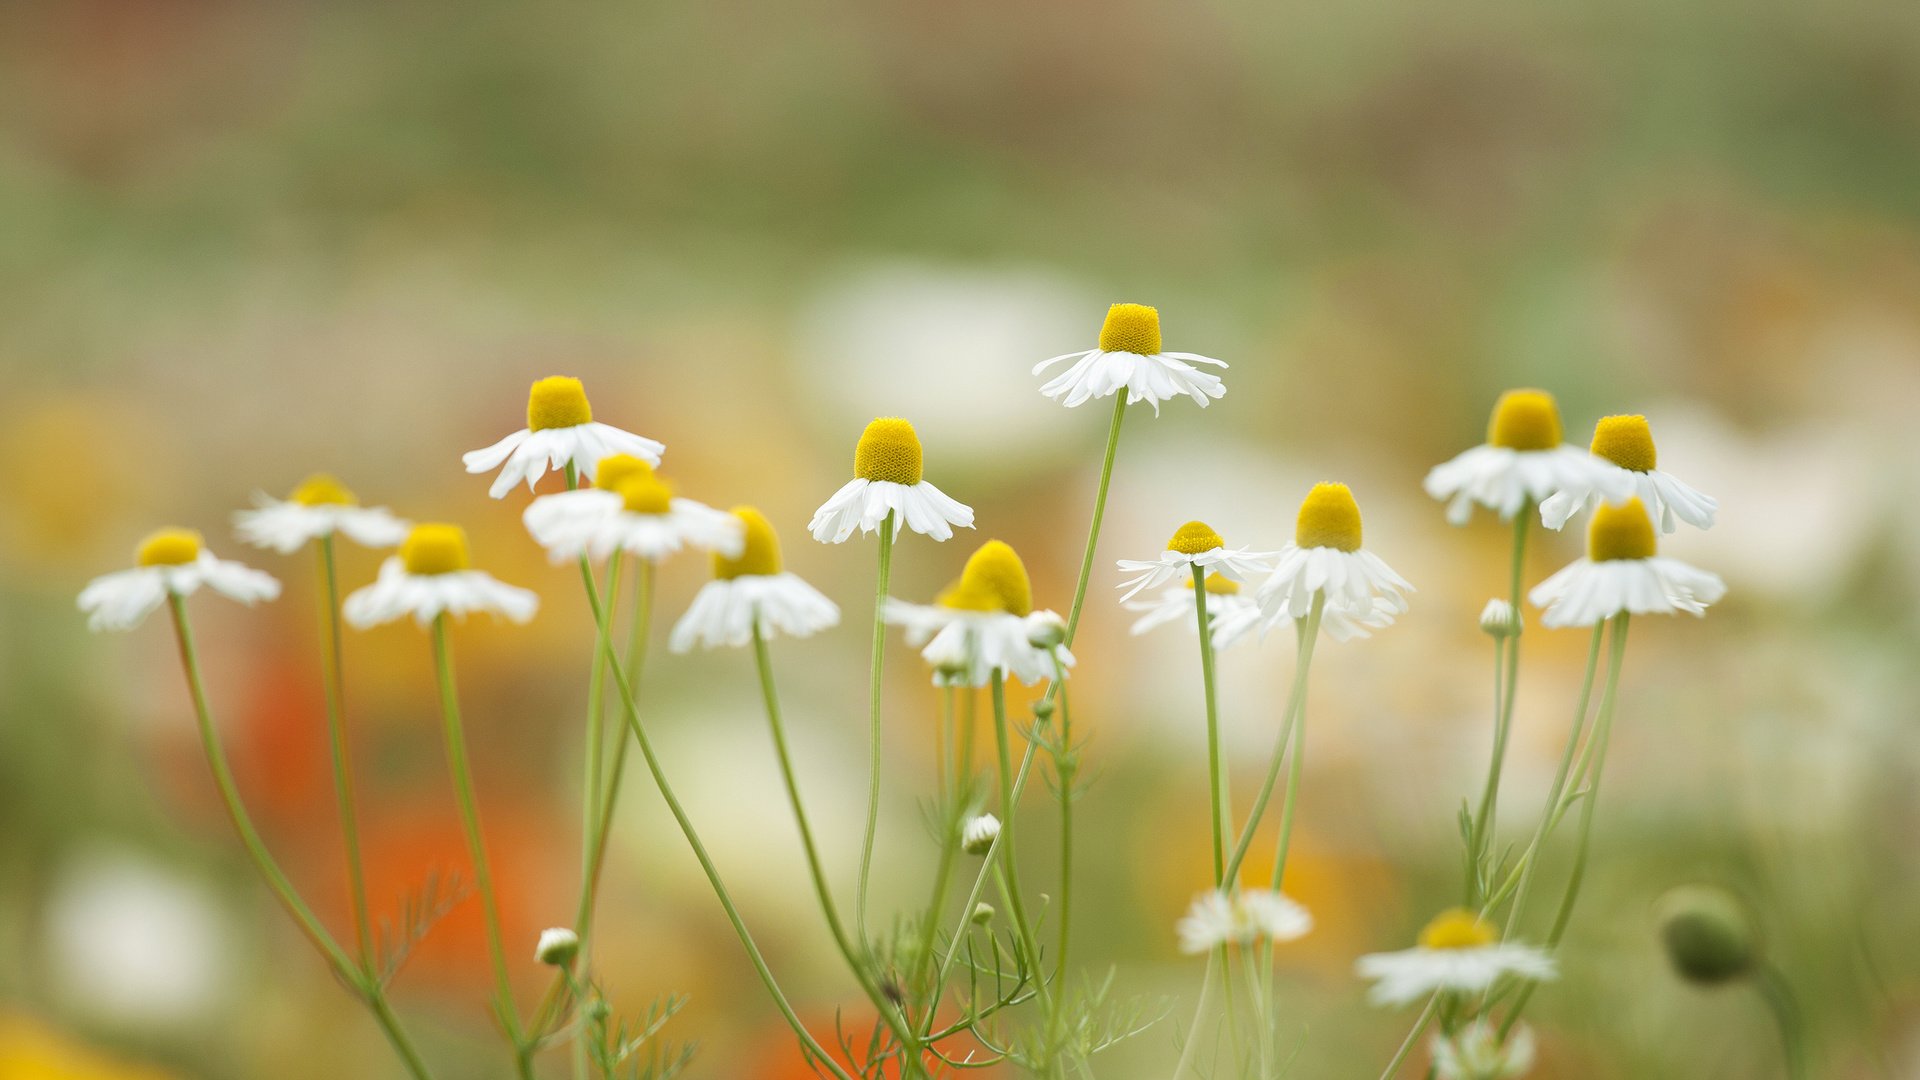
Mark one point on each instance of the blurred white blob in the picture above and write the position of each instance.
(950, 348)
(134, 942)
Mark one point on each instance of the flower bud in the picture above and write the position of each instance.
(1708, 934)
(1499, 620)
(979, 833)
(557, 946)
(982, 914)
(1046, 630)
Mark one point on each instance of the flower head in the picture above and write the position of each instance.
(1523, 461)
(1624, 446)
(1457, 951)
(433, 575)
(1217, 918)
(887, 480)
(751, 592)
(1193, 544)
(1623, 573)
(1499, 619)
(318, 508)
(1476, 1052)
(983, 623)
(979, 833)
(169, 562)
(560, 431)
(630, 509)
(1129, 355)
(557, 947)
(1326, 558)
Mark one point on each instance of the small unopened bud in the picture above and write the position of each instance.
(982, 914)
(979, 833)
(1043, 710)
(1046, 630)
(1708, 934)
(1499, 620)
(557, 947)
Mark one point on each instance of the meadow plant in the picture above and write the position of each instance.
(982, 972)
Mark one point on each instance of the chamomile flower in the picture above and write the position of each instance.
(433, 575)
(979, 833)
(1523, 461)
(318, 508)
(1243, 917)
(887, 479)
(1129, 356)
(170, 562)
(1457, 951)
(1475, 1052)
(1361, 590)
(560, 431)
(982, 624)
(1625, 444)
(1622, 572)
(628, 509)
(751, 589)
(1231, 613)
(1193, 544)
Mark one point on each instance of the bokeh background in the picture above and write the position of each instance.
(240, 242)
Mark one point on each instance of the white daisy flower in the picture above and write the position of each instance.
(1129, 356)
(1499, 619)
(318, 508)
(1193, 544)
(887, 479)
(1232, 614)
(1476, 1053)
(1625, 445)
(557, 946)
(1622, 574)
(1215, 919)
(171, 562)
(982, 623)
(1523, 461)
(560, 431)
(1361, 590)
(979, 833)
(1457, 951)
(628, 509)
(751, 590)
(433, 576)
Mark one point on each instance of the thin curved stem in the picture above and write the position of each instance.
(1099, 511)
(1216, 789)
(336, 694)
(593, 816)
(1483, 820)
(1412, 1039)
(1294, 716)
(1065, 767)
(1008, 828)
(1780, 999)
(1550, 814)
(881, 583)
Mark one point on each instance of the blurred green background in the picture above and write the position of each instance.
(240, 242)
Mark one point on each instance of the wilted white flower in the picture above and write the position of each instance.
(1626, 444)
(981, 624)
(431, 576)
(1216, 918)
(979, 833)
(318, 508)
(752, 592)
(1193, 544)
(628, 509)
(1522, 461)
(1622, 573)
(170, 562)
(1326, 557)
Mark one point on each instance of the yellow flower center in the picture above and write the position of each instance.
(169, 547)
(435, 549)
(1218, 585)
(889, 451)
(1525, 420)
(557, 401)
(761, 555)
(1133, 328)
(1328, 518)
(321, 489)
(615, 470)
(1195, 537)
(1458, 928)
(647, 495)
(1626, 441)
(994, 580)
(1620, 532)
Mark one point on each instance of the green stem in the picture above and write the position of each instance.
(1008, 828)
(1780, 999)
(1412, 1039)
(476, 840)
(1216, 792)
(1294, 716)
(1064, 767)
(1530, 859)
(591, 811)
(873, 723)
(1482, 826)
(1099, 511)
(636, 666)
(336, 693)
(812, 1046)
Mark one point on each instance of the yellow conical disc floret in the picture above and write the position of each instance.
(557, 401)
(1195, 537)
(1458, 928)
(1328, 518)
(761, 555)
(321, 489)
(1525, 420)
(616, 469)
(1626, 441)
(647, 495)
(889, 451)
(994, 580)
(1218, 585)
(1133, 328)
(435, 549)
(1621, 532)
(169, 547)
